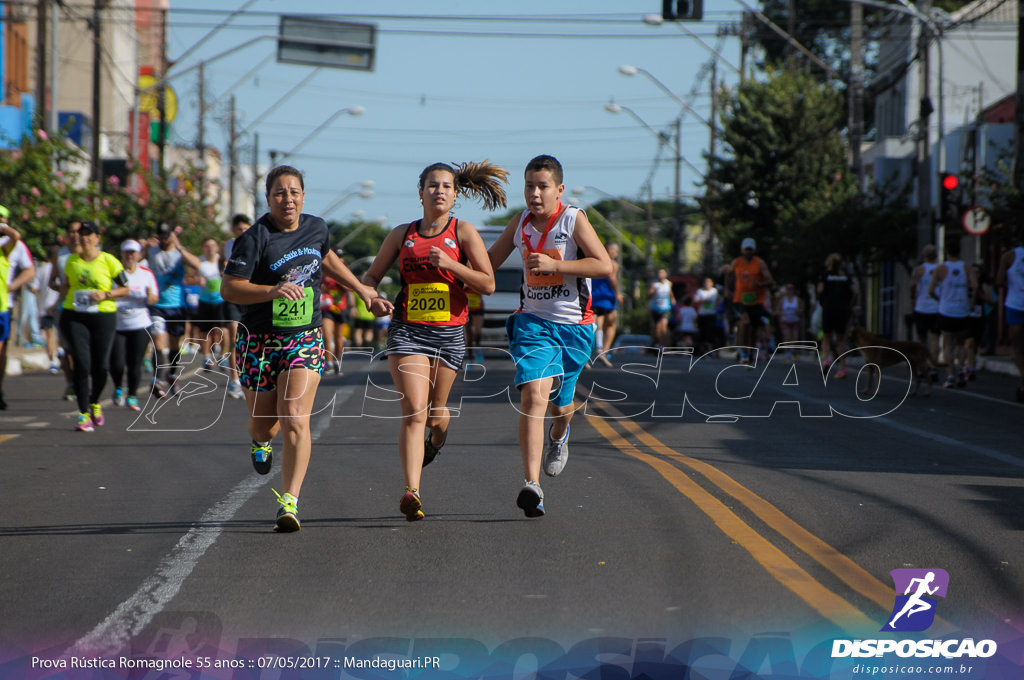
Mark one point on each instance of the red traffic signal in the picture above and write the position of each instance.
(950, 182)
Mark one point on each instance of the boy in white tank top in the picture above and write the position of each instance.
(552, 334)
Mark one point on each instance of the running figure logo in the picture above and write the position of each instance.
(914, 609)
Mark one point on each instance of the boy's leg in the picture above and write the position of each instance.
(531, 426)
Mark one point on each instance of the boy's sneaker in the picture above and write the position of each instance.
(950, 382)
(411, 506)
(84, 423)
(531, 500)
(54, 367)
(119, 399)
(262, 457)
(288, 514)
(133, 403)
(97, 415)
(430, 452)
(557, 454)
(69, 393)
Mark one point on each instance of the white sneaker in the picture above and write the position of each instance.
(557, 454)
(235, 390)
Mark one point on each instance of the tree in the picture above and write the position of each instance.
(784, 173)
(42, 201)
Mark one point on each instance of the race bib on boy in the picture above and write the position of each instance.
(547, 279)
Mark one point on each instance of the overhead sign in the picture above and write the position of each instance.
(976, 220)
(322, 41)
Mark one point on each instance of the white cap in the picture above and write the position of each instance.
(748, 243)
(131, 244)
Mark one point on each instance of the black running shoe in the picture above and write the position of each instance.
(262, 457)
(430, 452)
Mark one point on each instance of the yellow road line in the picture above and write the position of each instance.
(777, 563)
(7, 437)
(848, 571)
(844, 568)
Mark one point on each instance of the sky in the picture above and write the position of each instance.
(457, 81)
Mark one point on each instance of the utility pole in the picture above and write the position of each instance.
(1018, 114)
(201, 145)
(255, 173)
(161, 136)
(41, 98)
(857, 91)
(54, 123)
(712, 189)
(96, 165)
(232, 155)
(677, 222)
(925, 220)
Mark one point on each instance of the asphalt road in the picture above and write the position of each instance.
(702, 501)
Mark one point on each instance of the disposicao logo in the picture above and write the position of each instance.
(916, 593)
(914, 611)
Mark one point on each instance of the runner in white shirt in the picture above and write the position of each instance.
(133, 321)
(21, 271)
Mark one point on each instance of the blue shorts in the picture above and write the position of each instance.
(5, 325)
(545, 349)
(1014, 316)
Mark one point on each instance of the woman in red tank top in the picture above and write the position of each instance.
(436, 255)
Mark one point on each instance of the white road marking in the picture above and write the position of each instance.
(134, 614)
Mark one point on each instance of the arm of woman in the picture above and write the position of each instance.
(337, 268)
(12, 238)
(245, 292)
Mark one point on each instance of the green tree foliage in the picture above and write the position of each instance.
(823, 27)
(43, 200)
(783, 180)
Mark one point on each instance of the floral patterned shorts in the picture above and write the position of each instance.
(262, 357)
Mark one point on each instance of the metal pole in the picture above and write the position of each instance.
(1018, 115)
(41, 108)
(162, 100)
(256, 173)
(232, 156)
(54, 124)
(202, 131)
(677, 225)
(857, 92)
(925, 226)
(96, 168)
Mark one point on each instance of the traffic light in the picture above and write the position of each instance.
(682, 10)
(949, 200)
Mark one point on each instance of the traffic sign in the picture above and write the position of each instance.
(976, 220)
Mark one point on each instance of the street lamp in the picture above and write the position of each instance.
(632, 207)
(365, 190)
(590, 208)
(628, 70)
(379, 221)
(658, 20)
(677, 227)
(352, 111)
